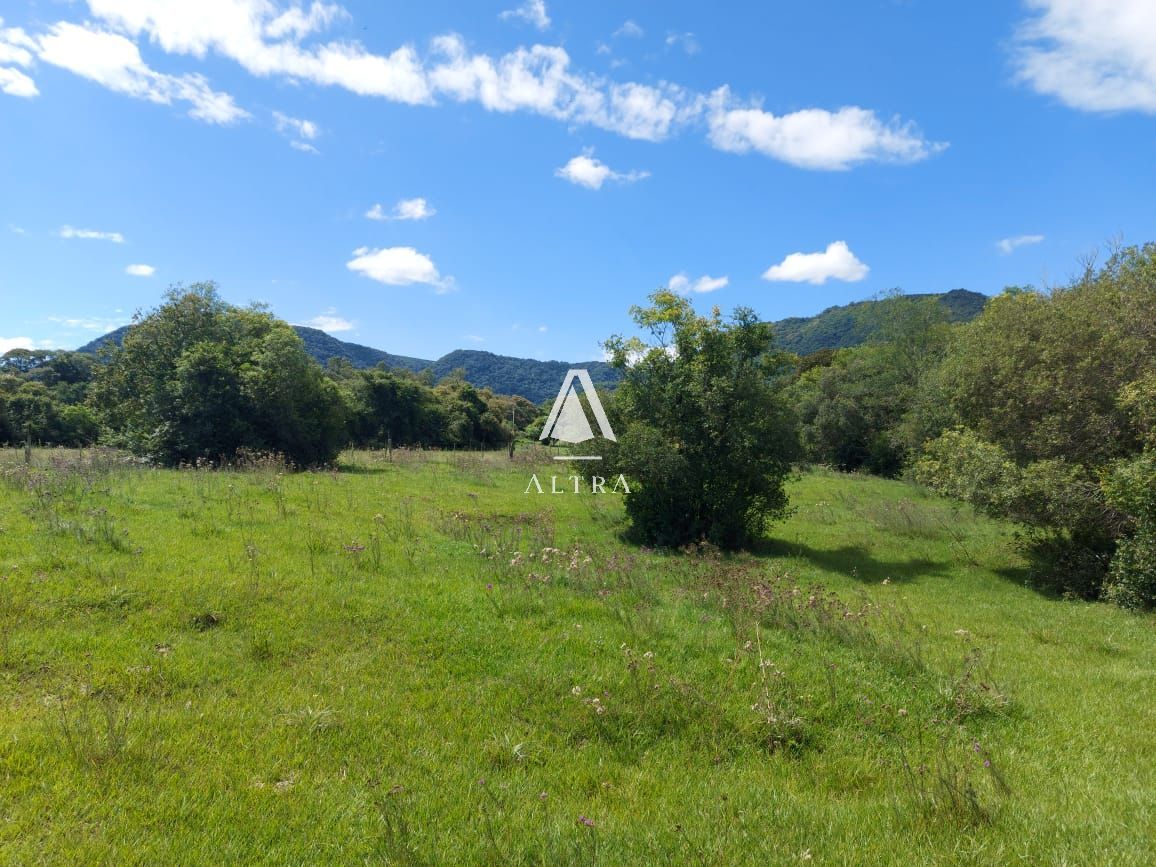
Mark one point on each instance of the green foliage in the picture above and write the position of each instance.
(1055, 394)
(197, 379)
(855, 409)
(532, 379)
(708, 437)
(1130, 488)
(861, 322)
(40, 393)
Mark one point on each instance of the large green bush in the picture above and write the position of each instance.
(200, 379)
(1054, 398)
(707, 438)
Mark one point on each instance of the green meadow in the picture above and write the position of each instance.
(409, 660)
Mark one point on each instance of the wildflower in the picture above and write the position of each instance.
(903, 711)
(987, 763)
(582, 820)
(976, 747)
(489, 586)
(542, 796)
(576, 691)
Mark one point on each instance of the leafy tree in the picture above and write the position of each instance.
(1062, 386)
(707, 439)
(199, 379)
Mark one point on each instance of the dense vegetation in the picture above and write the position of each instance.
(1040, 410)
(501, 374)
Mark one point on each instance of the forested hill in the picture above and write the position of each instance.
(503, 374)
(834, 328)
(854, 324)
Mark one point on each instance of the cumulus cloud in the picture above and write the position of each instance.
(16, 49)
(91, 235)
(683, 284)
(266, 41)
(271, 42)
(815, 138)
(114, 61)
(7, 343)
(330, 322)
(15, 83)
(407, 209)
(533, 11)
(398, 266)
(586, 171)
(140, 270)
(541, 80)
(1007, 245)
(837, 262)
(1094, 55)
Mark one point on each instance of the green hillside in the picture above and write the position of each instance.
(853, 324)
(834, 328)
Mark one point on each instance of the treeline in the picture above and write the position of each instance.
(1042, 410)
(200, 380)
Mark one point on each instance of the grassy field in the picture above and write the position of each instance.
(412, 661)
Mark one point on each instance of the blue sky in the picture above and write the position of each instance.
(512, 176)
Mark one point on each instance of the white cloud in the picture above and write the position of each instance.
(19, 230)
(475, 338)
(91, 235)
(300, 132)
(837, 262)
(140, 270)
(266, 42)
(591, 173)
(682, 283)
(542, 329)
(533, 11)
(815, 138)
(686, 41)
(630, 29)
(540, 80)
(407, 209)
(305, 129)
(398, 266)
(269, 42)
(330, 322)
(7, 343)
(16, 49)
(114, 62)
(1007, 245)
(1094, 55)
(15, 83)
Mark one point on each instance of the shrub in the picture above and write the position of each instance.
(708, 439)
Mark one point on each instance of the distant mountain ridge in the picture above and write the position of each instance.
(835, 328)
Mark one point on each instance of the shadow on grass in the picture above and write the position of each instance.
(854, 561)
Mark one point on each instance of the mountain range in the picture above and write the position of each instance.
(835, 328)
